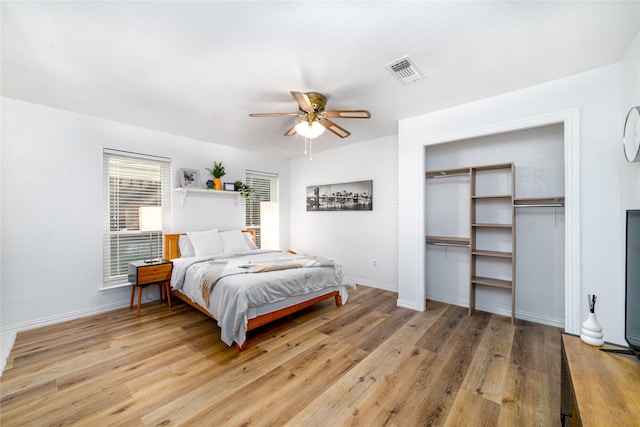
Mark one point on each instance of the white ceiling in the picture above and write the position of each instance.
(198, 69)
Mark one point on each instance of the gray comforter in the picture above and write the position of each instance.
(238, 290)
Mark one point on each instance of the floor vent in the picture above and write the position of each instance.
(405, 70)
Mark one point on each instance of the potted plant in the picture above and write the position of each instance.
(245, 190)
(218, 172)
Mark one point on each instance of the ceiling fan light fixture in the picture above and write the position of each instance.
(309, 129)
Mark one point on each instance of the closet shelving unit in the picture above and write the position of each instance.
(493, 208)
(503, 199)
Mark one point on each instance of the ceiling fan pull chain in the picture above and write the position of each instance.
(310, 150)
(305, 145)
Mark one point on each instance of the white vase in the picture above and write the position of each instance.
(591, 331)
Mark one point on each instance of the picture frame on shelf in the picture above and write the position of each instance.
(189, 178)
(229, 186)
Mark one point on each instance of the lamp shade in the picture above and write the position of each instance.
(310, 129)
(150, 218)
(269, 225)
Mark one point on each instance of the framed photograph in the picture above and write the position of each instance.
(349, 196)
(189, 178)
(229, 186)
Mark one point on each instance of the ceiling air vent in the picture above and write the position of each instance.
(405, 70)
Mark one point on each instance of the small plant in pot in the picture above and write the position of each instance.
(218, 172)
(245, 190)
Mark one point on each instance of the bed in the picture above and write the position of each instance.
(223, 275)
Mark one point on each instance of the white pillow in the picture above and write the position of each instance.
(205, 242)
(248, 239)
(185, 246)
(232, 241)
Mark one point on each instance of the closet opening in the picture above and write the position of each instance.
(495, 234)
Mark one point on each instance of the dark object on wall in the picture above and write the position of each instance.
(350, 196)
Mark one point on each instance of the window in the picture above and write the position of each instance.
(132, 181)
(265, 189)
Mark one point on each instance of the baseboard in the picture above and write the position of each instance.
(407, 304)
(377, 285)
(523, 315)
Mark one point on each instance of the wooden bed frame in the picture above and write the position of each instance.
(172, 250)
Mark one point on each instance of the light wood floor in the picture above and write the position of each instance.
(368, 363)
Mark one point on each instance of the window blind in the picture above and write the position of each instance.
(265, 189)
(131, 181)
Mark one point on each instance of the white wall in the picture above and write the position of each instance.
(597, 95)
(52, 206)
(356, 238)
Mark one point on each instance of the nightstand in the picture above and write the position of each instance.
(142, 274)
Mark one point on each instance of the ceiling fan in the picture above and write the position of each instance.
(314, 118)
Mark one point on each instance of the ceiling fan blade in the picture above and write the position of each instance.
(340, 131)
(348, 114)
(303, 101)
(291, 131)
(274, 114)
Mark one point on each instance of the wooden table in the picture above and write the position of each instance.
(143, 274)
(599, 388)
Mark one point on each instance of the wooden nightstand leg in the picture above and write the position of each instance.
(133, 291)
(139, 298)
(167, 289)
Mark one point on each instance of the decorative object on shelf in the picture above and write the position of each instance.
(350, 196)
(591, 331)
(210, 184)
(189, 178)
(229, 186)
(631, 135)
(218, 172)
(245, 190)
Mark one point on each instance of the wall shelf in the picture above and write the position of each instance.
(186, 191)
(490, 281)
(493, 254)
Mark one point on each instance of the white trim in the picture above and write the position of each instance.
(46, 321)
(408, 304)
(570, 118)
(372, 284)
(108, 287)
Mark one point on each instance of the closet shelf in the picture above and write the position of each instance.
(447, 173)
(448, 241)
(494, 254)
(488, 281)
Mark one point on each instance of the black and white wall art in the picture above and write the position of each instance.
(350, 196)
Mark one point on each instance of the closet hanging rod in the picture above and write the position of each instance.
(448, 175)
(461, 245)
(540, 205)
